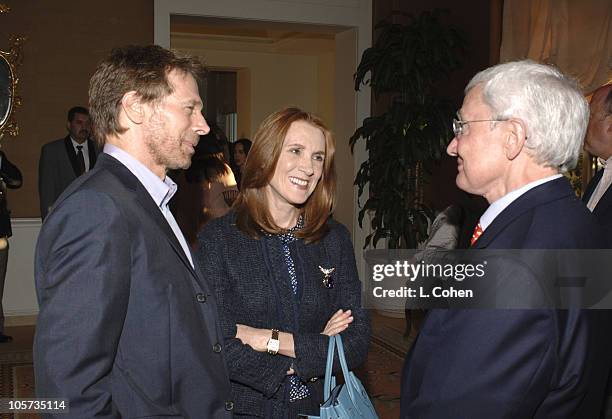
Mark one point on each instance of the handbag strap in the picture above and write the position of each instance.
(345, 371)
(331, 349)
(333, 341)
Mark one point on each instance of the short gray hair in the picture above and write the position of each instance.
(549, 103)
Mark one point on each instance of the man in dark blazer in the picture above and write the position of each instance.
(598, 142)
(10, 177)
(128, 326)
(520, 126)
(63, 160)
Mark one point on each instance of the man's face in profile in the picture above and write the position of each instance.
(175, 126)
(479, 149)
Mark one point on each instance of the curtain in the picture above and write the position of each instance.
(574, 35)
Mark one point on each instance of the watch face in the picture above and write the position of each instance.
(273, 345)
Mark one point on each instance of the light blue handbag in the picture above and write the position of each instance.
(345, 401)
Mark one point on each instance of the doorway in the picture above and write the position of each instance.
(347, 22)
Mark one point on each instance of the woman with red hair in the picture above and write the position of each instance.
(284, 272)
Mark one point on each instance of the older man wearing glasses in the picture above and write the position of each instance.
(519, 129)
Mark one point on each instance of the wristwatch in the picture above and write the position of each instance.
(273, 343)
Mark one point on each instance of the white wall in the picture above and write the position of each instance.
(19, 292)
(345, 110)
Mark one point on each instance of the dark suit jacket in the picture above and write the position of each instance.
(252, 286)
(516, 363)
(127, 328)
(603, 209)
(10, 177)
(57, 168)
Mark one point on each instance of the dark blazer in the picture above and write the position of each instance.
(516, 363)
(127, 328)
(603, 209)
(57, 168)
(10, 177)
(252, 286)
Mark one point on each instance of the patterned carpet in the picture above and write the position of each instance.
(16, 372)
(380, 374)
(22, 386)
(382, 371)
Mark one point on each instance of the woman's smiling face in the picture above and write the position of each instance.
(299, 167)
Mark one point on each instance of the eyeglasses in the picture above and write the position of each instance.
(458, 124)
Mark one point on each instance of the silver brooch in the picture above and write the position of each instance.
(328, 281)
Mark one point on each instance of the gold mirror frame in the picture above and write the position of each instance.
(13, 57)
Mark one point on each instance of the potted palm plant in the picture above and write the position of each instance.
(404, 67)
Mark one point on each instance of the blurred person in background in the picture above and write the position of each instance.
(10, 177)
(240, 151)
(211, 171)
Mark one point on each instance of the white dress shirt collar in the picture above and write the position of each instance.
(602, 186)
(85, 145)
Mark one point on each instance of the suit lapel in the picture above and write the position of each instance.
(71, 155)
(199, 274)
(591, 186)
(547, 192)
(604, 202)
(148, 205)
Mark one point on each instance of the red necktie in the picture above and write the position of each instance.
(476, 234)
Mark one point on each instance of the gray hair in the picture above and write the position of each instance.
(550, 104)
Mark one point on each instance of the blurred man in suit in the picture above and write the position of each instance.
(10, 177)
(63, 160)
(520, 126)
(128, 326)
(598, 142)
